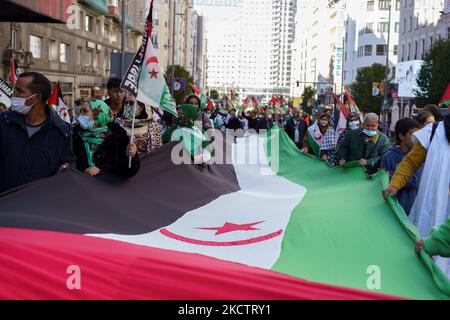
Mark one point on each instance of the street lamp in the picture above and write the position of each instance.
(386, 73)
(175, 14)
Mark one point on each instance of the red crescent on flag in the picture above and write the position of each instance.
(266, 237)
(153, 59)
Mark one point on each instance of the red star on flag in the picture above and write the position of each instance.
(153, 74)
(231, 227)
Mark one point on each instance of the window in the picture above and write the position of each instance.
(409, 51)
(416, 49)
(14, 39)
(383, 27)
(370, 5)
(395, 50)
(369, 28)
(384, 4)
(397, 27)
(368, 50)
(424, 50)
(64, 52)
(397, 5)
(403, 52)
(106, 33)
(35, 46)
(381, 49)
(96, 59)
(88, 23)
(52, 50)
(88, 61)
(79, 53)
(431, 41)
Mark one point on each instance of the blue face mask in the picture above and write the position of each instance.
(370, 133)
(85, 122)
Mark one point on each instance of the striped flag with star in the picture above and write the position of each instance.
(144, 78)
(250, 227)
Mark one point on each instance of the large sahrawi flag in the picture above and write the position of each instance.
(144, 78)
(280, 226)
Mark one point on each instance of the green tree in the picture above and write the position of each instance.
(362, 87)
(180, 72)
(308, 95)
(434, 75)
(214, 94)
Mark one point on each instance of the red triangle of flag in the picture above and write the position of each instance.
(54, 98)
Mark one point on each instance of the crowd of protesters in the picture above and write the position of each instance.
(36, 143)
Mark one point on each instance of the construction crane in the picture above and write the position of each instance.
(218, 3)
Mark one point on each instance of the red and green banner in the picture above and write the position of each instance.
(283, 225)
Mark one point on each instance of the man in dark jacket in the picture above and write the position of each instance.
(365, 145)
(34, 142)
(296, 128)
(234, 123)
(265, 123)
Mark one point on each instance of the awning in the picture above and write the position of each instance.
(11, 11)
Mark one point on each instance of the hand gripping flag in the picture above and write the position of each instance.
(351, 102)
(144, 78)
(343, 115)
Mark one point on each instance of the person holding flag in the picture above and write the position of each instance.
(432, 204)
(102, 145)
(365, 145)
(316, 134)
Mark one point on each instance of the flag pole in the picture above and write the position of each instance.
(132, 132)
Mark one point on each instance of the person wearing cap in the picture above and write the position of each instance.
(102, 145)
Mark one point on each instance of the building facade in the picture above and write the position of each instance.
(313, 47)
(420, 27)
(77, 53)
(368, 30)
(445, 20)
(283, 35)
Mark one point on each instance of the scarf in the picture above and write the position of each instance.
(94, 137)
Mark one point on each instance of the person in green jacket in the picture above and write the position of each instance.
(188, 132)
(438, 243)
(365, 145)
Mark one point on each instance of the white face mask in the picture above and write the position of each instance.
(353, 125)
(323, 122)
(18, 105)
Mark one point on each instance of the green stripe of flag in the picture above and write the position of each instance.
(343, 227)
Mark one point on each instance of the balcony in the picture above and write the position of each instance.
(98, 5)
